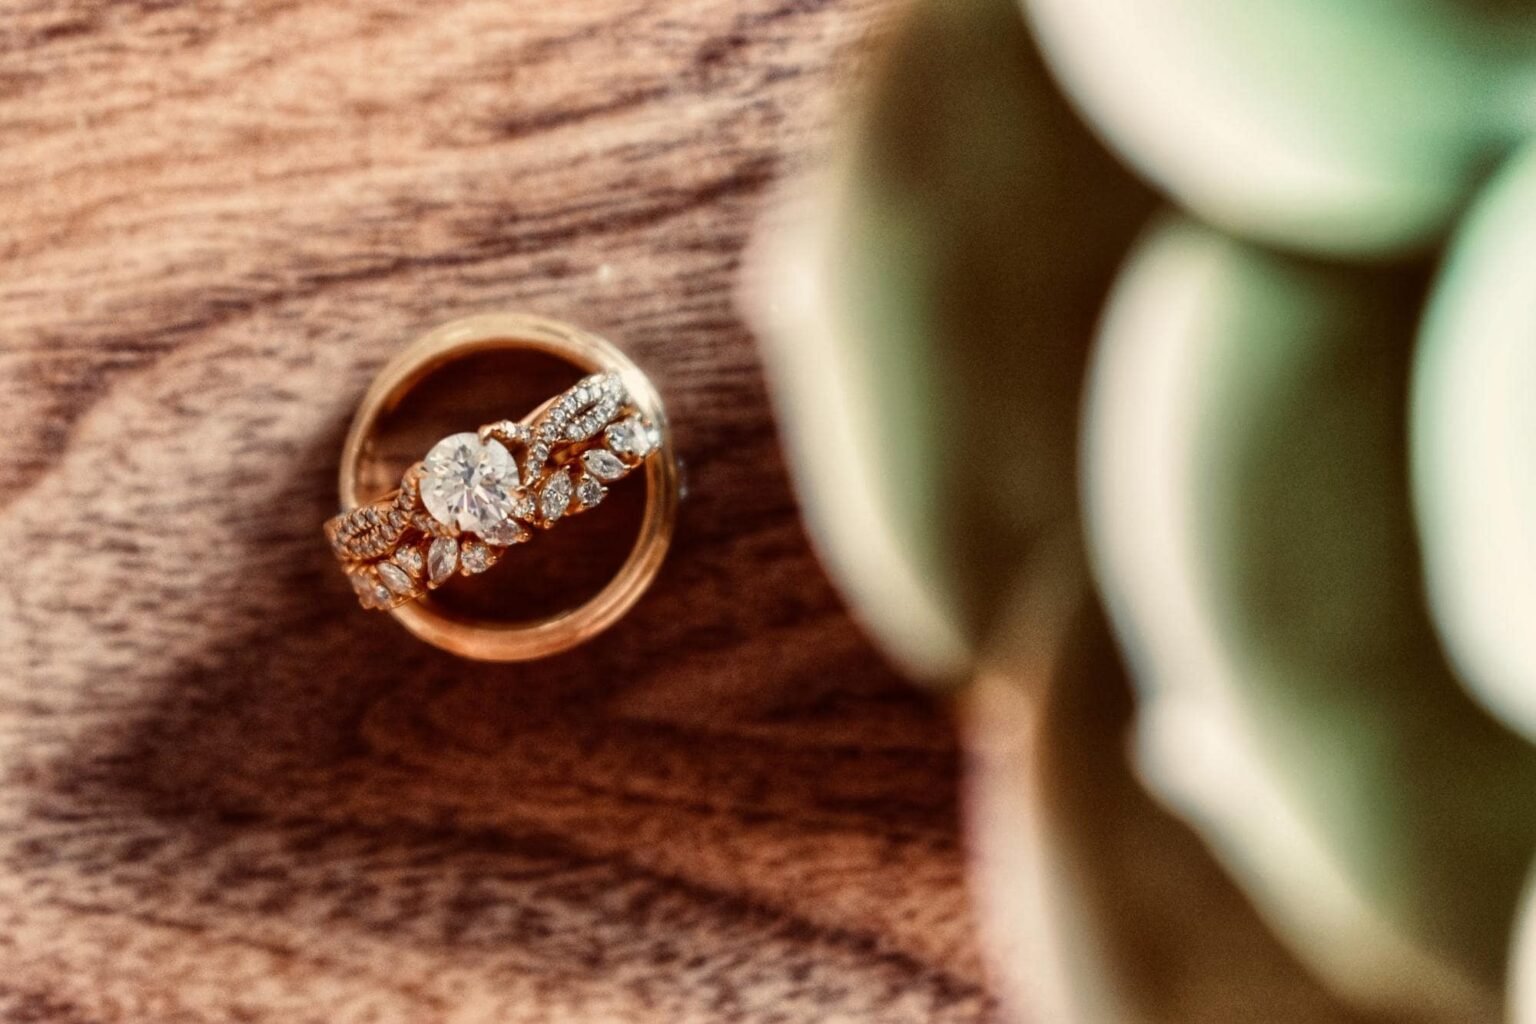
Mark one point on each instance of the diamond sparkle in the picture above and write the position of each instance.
(474, 557)
(442, 558)
(631, 437)
(603, 464)
(396, 578)
(555, 496)
(469, 484)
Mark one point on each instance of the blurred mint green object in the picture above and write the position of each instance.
(1248, 499)
(1352, 127)
(1474, 425)
(1015, 401)
(924, 316)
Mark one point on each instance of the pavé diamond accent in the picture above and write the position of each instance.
(474, 557)
(506, 430)
(578, 415)
(589, 492)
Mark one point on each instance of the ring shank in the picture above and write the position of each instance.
(490, 640)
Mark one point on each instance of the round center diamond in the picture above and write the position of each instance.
(469, 484)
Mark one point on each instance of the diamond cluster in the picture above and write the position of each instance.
(467, 502)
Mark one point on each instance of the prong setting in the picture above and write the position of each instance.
(473, 497)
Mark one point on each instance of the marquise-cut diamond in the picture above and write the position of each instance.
(410, 560)
(467, 483)
(396, 578)
(506, 533)
(370, 591)
(555, 496)
(630, 438)
(442, 558)
(603, 464)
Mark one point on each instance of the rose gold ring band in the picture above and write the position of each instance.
(480, 493)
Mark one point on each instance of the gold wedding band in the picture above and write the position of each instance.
(484, 490)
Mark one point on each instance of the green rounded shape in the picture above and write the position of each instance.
(1474, 434)
(1250, 527)
(1339, 127)
(1098, 905)
(926, 325)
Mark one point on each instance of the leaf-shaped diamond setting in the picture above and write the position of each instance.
(410, 559)
(506, 533)
(442, 559)
(461, 508)
(555, 496)
(603, 464)
(631, 438)
(396, 578)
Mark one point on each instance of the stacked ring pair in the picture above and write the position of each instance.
(476, 496)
